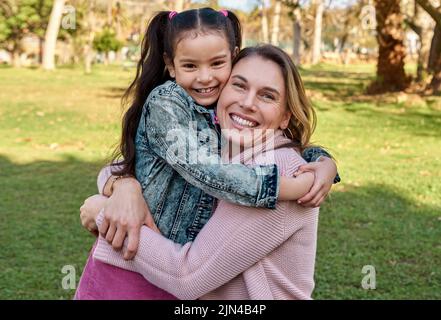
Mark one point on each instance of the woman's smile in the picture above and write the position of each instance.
(240, 121)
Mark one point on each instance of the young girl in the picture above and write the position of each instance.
(243, 252)
(166, 123)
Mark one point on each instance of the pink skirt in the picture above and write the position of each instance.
(101, 281)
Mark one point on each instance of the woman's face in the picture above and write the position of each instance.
(253, 98)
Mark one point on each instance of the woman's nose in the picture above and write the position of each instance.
(248, 102)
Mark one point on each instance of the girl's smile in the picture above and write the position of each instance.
(202, 65)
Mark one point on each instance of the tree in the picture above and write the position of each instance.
(19, 19)
(317, 41)
(90, 27)
(390, 35)
(276, 23)
(435, 51)
(51, 36)
(105, 42)
(421, 23)
(296, 17)
(264, 21)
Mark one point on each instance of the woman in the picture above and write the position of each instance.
(242, 253)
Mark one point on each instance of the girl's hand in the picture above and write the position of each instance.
(325, 171)
(124, 214)
(90, 210)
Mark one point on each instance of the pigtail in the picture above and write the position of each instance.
(150, 73)
(237, 28)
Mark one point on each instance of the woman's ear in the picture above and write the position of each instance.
(170, 66)
(285, 120)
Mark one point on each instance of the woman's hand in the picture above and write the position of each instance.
(124, 214)
(90, 210)
(325, 171)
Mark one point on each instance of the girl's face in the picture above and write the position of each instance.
(201, 66)
(254, 98)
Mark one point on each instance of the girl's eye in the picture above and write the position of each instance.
(189, 66)
(218, 63)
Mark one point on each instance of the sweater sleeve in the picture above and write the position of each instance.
(104, 176)
(232, 241)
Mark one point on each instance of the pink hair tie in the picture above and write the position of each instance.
(224, 12)
(172, 14)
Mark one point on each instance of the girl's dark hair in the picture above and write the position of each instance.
(303, 118)
(161, 37)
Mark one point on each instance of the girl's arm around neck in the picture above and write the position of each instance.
(167, 126)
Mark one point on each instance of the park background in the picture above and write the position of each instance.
(371, 68)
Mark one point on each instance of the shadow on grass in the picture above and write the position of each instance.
(336, 84)
(113, 92)
(40, 233)
(420, 122)
(40, 230)
(345, 91)
(375, 225)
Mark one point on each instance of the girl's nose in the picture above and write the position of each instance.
(204, 76)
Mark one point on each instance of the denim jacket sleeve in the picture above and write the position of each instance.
(167, 120)
(312, 154)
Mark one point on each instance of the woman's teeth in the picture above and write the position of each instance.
(206, 90)
(243, 122)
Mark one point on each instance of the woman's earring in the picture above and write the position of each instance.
(290, 132)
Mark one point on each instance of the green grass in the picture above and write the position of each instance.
(56, 130)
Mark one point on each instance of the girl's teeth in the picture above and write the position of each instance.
(205, 90)
(243, 122)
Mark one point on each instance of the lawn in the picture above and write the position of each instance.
(57, 129)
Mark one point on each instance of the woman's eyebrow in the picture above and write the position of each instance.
(239, 77)
(271, 89)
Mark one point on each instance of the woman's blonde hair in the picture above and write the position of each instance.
(303, 117)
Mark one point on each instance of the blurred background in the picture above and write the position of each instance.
(371, 68)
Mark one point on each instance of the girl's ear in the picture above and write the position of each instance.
(235, 52)
(170, 66)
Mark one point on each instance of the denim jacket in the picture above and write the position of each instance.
(180, 174)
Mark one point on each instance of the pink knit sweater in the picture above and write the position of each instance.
(241, 253)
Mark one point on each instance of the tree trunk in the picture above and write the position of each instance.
(110, 13)
(276, 23)
(317, 42)
(40, 49)
(51, 36)
(423, 26)
(88, 48)
(435, 46)
(435, 61)
(297, 24)
(265, 28)
(15, 58)
(390, 35)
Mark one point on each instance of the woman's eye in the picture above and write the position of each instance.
(268, 96)
(238, 85)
